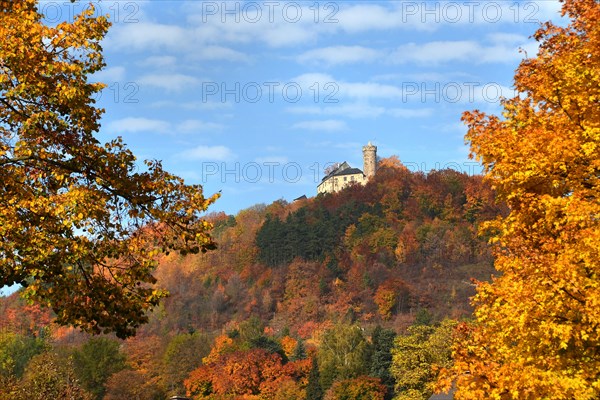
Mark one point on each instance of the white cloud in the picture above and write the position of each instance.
(192, 105)
(506, 38)
(219, 53)
(543, 11)
(111, 74)
(138, 124)
(410, 113)
(272, 159)
(160, 61)
(208, 153)
(169, 82)
(329, 125)
(134, 125)
(335, 55)
(196, 125)
(505, 49)
(435, 52)
(145, 35)
(370, 17)
(336, 89)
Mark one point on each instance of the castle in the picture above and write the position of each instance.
(343, 175)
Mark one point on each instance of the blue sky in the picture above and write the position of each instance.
(257, 98)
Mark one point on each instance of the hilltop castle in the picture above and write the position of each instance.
(343, 175)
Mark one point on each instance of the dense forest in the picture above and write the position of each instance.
(327, 297)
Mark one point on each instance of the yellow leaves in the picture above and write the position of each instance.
(536, 324)
(82, 224)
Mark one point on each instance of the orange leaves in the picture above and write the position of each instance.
(536, 329)
(240, 373)
(392, 296)
(288, 344)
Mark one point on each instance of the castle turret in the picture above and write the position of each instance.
(369, 160)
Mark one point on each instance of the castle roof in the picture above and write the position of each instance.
(348, 171)
(343, 169)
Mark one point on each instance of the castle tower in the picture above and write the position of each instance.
(369, 160)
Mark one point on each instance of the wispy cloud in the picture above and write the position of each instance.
(146, 36)
(329, 125)
(410, 113)
(159, 61)
(503, 48)
(208, 153)
(337, 55)
(135, 125)
(111, 74)
(140, 124)
(272, 159)
(169, 82)
(196, 125)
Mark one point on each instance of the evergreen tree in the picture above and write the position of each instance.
(299, 351)
(381, 360)
(314, 391)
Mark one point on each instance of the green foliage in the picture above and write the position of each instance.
(314, 391)
(96, 361)
(250, 330)
(416, 358)
(311, 233)
(423, 317)
(299, 351)
(344, 353)
(184, 353)
(16, 351)
(49, 376)
(382, 341)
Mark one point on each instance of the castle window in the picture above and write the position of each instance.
(345, 178)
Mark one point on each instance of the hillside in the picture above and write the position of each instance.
(322, 258)
(400, 248)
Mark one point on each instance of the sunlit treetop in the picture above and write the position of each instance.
(537, 328)
(81, 223)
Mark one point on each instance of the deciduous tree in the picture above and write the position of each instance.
(16, 351)
(537, 328)
(344, 353)
(95, 362)
(360, 388)
(81, 223)
(50, 376)
(418, 357)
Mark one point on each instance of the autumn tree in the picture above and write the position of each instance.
(81, 223)
(15, 352)
(95, 361)
(360, 388)
(131, 384)
(536, 333)
(391, 296)
(235, 374)
(184, 353)
(344, 353)
(50, 376)
(417, 358)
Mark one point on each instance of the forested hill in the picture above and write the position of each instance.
(298, 265)
(400, 248)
